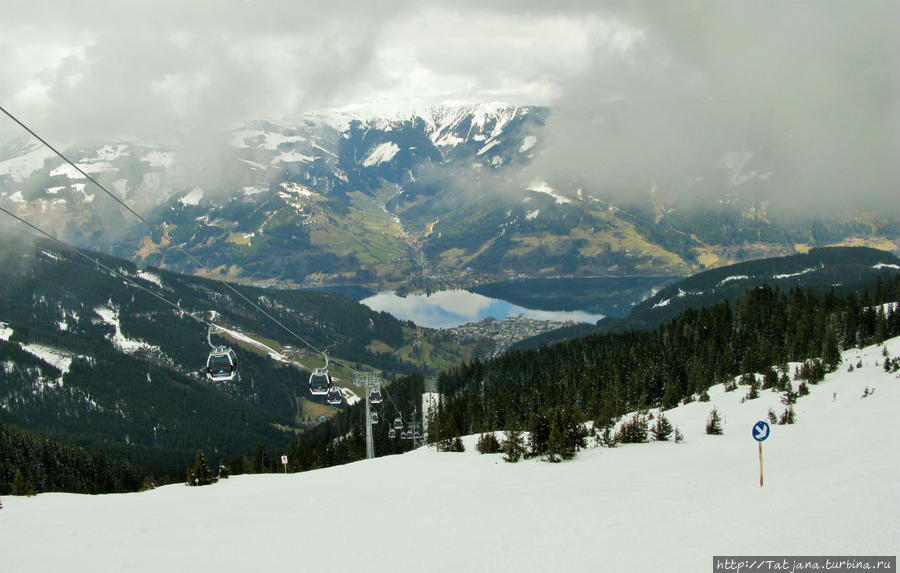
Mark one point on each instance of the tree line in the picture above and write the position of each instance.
(603, 376)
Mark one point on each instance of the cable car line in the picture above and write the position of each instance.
(106, 268)
(152, 227)
(194, 260)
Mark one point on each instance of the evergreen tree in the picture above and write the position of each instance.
(513, 446)
(633, 430)
(20, 486)
(539, 433)
(831, 351)
(201, 472)
(488, 444)
(662, 429)
(556, 443)
(714, 423)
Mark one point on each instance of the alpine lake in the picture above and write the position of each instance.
(579, 300)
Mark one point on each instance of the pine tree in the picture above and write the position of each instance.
(662, 429)
(20, 486)
(633, 430)
(488, 444)
(513, 446)
(831, 352)
(714, 423)
(539, 433)
(201, 472)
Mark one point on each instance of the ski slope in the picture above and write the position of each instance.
(832, 487)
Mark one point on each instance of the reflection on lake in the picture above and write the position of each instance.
(446, 309)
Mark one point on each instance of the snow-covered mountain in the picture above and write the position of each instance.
(393, 193)
(830, 489)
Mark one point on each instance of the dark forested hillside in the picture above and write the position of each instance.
(840, 268)
(605, 375)
(32, 464)
(98, 358)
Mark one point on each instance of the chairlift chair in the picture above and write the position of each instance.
(221, 364)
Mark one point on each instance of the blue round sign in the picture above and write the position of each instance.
(760, 431)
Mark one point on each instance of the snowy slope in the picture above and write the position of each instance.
(831, 488)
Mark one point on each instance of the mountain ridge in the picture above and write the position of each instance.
(424, 198)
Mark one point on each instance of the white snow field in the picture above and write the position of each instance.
(832, 487)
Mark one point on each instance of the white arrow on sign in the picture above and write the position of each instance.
(762, 432)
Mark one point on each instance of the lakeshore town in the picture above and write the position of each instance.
(504, 333)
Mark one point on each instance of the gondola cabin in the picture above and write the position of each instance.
(375, 396)
(334, 396)
(398, 423)
(319, 382)
(221, 364)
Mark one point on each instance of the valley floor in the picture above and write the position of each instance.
(832, 487)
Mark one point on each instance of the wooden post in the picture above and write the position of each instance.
(760, 465)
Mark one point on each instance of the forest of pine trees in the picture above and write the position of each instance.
(32, 464)
(603, 376)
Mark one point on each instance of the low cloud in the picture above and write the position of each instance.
(645, 95)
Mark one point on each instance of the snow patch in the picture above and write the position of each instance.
(58, 358)
(539, 186)
(531, 216)
(150, 277)
(22, 167)
(5, 331)
(527, 143)
(293, 157)
(381, 154)
(292, 188)
(797, 274)
(193, 197)
(90, 168)
(732, 278)
(256, 166)
(488, 147)
(886, 266)
(251, 190)
(118, 339)
(162, 159)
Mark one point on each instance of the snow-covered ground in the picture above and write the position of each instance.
(832, 487)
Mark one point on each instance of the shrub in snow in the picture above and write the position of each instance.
(633, 431)
(607, 438)
(513, 446)
(488, 444)
(662, 429)
(704, 396)
(714, 423)
(787, 417)
(456, 445)
(679, 437)
(770, 379)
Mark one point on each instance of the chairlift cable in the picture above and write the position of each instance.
(108, 269)
(152, 227)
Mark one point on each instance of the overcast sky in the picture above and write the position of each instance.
(643, 93)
